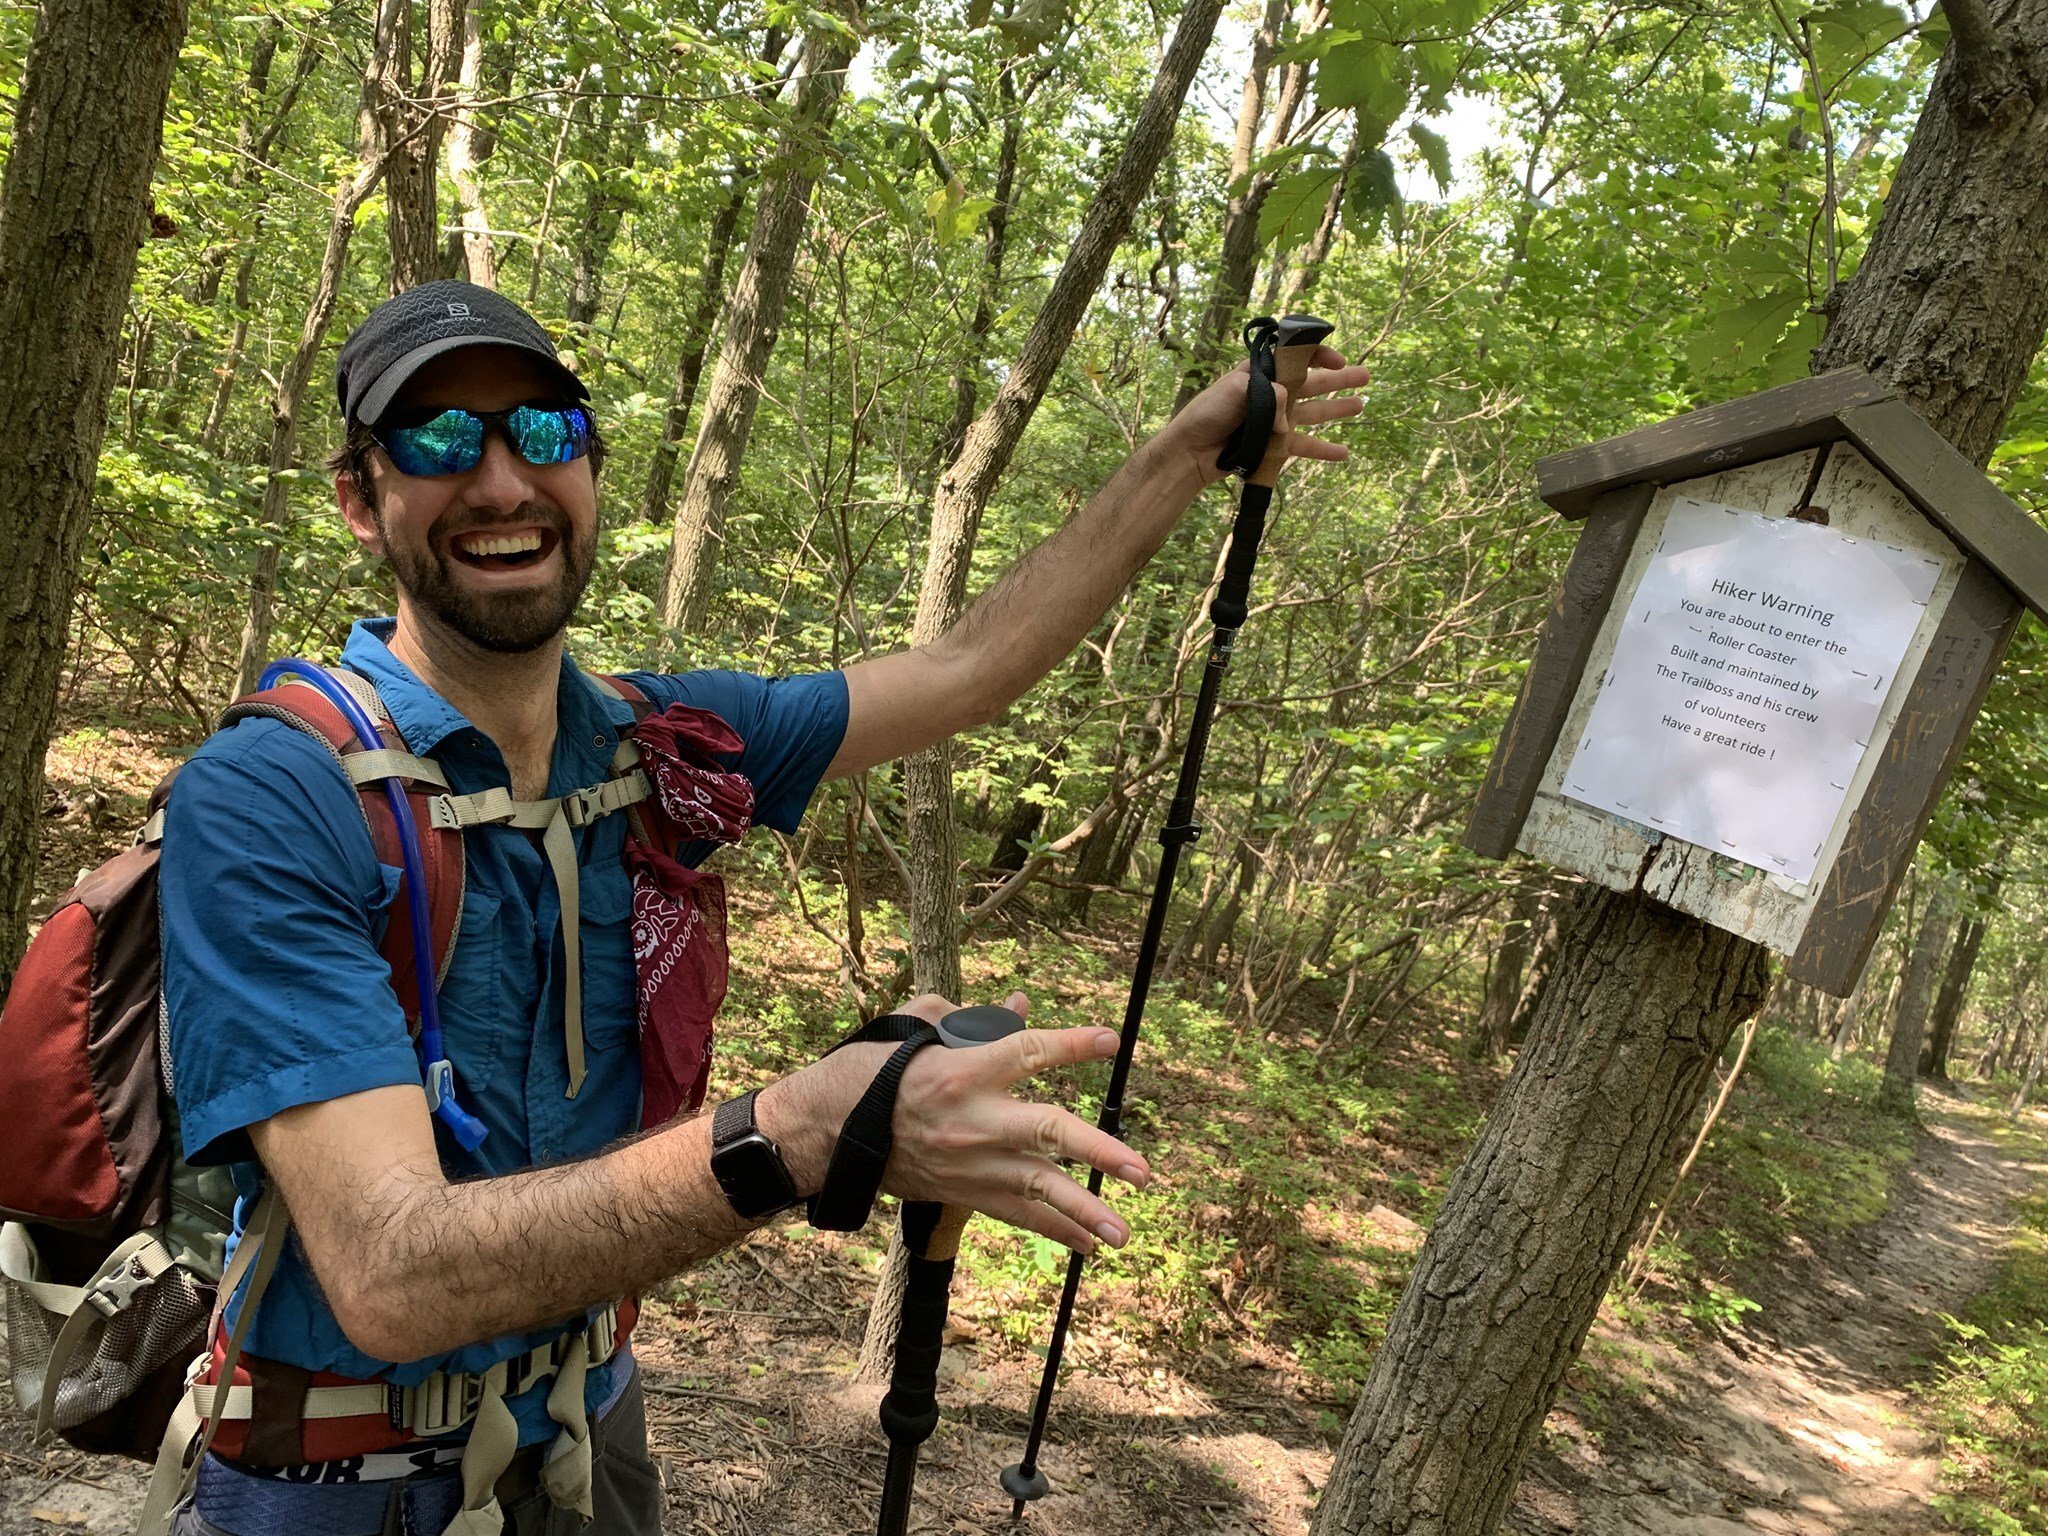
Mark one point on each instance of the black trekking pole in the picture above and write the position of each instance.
(931, 1235)
(1280, 350)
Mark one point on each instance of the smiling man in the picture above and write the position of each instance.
(487, 1282)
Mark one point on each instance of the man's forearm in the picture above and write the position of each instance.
(440, 1265)
(1020, 628)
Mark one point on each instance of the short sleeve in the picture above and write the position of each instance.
(272, 901)
(792, 727)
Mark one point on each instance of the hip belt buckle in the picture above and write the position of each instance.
(444, 1401)
(603, 1335)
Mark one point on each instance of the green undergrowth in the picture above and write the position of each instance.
(1801, 1150)
(1289, 1194)
(1991, 1392)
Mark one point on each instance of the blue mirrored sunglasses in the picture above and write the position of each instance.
(452, 443)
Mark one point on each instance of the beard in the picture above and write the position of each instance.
(507, 623)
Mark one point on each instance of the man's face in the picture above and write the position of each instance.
(500, 554)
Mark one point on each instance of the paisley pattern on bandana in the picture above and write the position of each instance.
(679, 937)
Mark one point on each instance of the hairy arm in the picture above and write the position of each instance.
(414, 1265)
(1017, 631)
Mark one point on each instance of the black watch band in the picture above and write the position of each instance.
(747, 1165)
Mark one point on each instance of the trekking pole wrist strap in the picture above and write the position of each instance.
(1246, 447)
(853, 1178)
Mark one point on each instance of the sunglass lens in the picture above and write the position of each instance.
(449, 444)
(550, 437)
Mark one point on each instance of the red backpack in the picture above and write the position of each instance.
(112, 1245)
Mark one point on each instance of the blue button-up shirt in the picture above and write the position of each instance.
(274, 905)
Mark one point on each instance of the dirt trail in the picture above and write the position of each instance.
(1803, 1423)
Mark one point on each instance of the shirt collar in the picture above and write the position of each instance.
(586, 720)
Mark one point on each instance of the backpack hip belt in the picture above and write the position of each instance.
(339, 1419)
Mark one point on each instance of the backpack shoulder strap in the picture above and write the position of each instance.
(626, 761)
(368, 765)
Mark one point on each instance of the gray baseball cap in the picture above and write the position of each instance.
(403, 334)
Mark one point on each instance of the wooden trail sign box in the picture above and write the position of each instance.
(1779, 622)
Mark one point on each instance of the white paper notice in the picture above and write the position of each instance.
(1746, 681)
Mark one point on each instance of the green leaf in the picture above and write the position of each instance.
(1848, 32)
(1033, 24)
(1368, 77)
(1294, 207)
(1436, 65)
(1373, 198)
(1741, 335)
(1792, 358)
(1436, 153)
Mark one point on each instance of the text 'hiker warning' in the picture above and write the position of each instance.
(1746, 681)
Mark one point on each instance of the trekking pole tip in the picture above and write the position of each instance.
(1024, 1485)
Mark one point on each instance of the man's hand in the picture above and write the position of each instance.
(962, 1138)
(1205, 423)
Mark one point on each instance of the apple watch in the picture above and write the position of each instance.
(747, 1165)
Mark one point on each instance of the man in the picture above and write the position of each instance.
(488, 1275)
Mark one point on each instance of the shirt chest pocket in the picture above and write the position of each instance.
(610, 985)
(476, 993)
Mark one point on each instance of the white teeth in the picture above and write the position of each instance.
(487, 544)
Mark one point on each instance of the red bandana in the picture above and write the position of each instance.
(679, 913)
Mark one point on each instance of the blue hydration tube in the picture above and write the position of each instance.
(467, 1130)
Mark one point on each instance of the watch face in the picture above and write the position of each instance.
(750, 1172)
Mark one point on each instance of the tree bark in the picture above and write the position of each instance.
(1948, 1006)
(604, 209)
(1916, 996)
(74, 209)
(753, 316)
(466, 157)
(1504, 980)
(290, 394)
(414, 119)
(690, 366)
(1948, 306)
(1539, 1217)
(661, 467)
(985, 452)
(1237, 263)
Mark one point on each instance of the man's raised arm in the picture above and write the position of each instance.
(1044, 606)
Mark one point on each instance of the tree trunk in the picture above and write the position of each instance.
(1847, 1012)
(1916, 996)
(965, 487)
(604, 209)
(1504, 980)
(2035, 1064)
(466, 157)
(1948, 1007)
(290, 395)
(213, 262)
(690, 366)
(1947, 305)
(1238, 262)
(414, 118)
(74, 208)
(966, 381)
(1539, 1217)
(213, 431)
(753, 316)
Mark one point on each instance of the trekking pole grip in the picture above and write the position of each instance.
(1294, 350)
(931, 1233)
(1295, 340)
